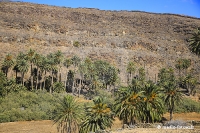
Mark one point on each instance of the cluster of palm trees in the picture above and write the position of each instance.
(142, 101)
(38, 66)
(46, 72)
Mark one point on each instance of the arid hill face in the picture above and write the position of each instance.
(151, 40)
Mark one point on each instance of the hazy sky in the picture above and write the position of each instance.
(183, 7)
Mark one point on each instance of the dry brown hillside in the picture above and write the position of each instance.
(156, 40)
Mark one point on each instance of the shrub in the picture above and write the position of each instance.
(187, 105)
(26, 105)
(76, 44)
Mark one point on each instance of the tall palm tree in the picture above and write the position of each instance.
(130, 70)
(15, 68)
(182, 64)
(82, 70)
(75, 61)
(8, 63)
(58, 60)
(67, 64)
(69, 115)
(190, 82)
(44, 67)
(101, 68)
(37, 60)
(53, 68)
(172, 94)
(195, 42)
(112, 76)
(179, 66)
(30, 55)
(23, 67)
(98, 117)
(142, 74)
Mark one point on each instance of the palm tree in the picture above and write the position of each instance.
(142, 74)
(98, 117)
(101, 68)
(112, 76)
(37, 60)
(30, 55)
(58, 60)
(82, 70)
(195, 42)
(153, 103)
(179, 66)
(8, 63)
(44, 67)
(58, 87)
(172, 94)
(182, 64)
(53, 68)
(69, 114)
(22, 65)
(190, 82)
(75, 61)
(15, 68)
(128, 106)
(130, 70)
(67, 64)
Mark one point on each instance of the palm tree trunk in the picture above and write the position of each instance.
(44, 80)
(16, 76)
(51, 88)
(22, 74)
(6, 72)
(31, 76)
(36, 86)
(66, 79)
(171, 112)
(60, 75)
(73, 87)
(41, 80)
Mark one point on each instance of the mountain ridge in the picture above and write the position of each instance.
(152, 40)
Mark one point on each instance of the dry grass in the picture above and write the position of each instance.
(47, 126)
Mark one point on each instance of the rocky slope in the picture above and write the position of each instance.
(151, 40)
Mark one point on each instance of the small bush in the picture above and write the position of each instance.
(187, 105)
(76, 44)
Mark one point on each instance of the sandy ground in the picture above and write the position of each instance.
(47, 126)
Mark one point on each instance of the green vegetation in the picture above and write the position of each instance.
(195, 42)
(98, 117)
(76, 44)
(187, 105)
(69, 114)
(44, 85)
(26, 105)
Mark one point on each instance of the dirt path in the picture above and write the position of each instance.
(47, 126)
